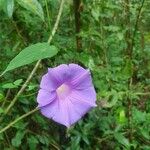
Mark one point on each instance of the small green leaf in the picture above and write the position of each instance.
(9, 7)
(43, 139)
(122, 116)
(122, 140)
(120, 36)
(32, 141)
(20, 125)
(1, 97)
(9, 86)
(1, 110)
(2, 4)
(32, 5)
(16, 141)
(145, 133)
(30, 54)
(95, 13)
(18, 82)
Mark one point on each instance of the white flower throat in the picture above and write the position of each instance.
(63, 91)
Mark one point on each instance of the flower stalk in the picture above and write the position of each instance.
(18, 119)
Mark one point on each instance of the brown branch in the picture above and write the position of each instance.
(130, 40)
(136, 23)
(77, 10)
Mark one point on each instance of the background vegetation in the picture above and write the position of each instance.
(112, 39)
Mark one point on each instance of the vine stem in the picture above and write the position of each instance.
(18, 119)
(48, 14)
(57, 22)
(143, 94)
(22, 88)
(38, 63)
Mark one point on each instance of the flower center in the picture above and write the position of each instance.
(63, 91)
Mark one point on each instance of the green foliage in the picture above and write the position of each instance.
(30, 54)
(118, 55)
(15, 84)
(33, 6)
(16, 141)
(7, 6)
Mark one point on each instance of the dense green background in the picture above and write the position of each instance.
(115, 39)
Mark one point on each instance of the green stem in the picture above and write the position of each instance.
(48, 14)
(144, 94)
(18, 119)
(57, 22)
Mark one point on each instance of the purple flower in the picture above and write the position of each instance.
(66, 93)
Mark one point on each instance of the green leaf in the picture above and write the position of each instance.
(16, 141)
(2, 4)
(120, 36)
(1, 97)
(9, 86)
(43, 139)
(145, 133)
(18, 82)
(32, 87)
(9, 7)
(32, 5)
(138, 116)
(1, 110)
(30, 54)
(122, 140)
(95, 13)
(32, 141)
(112, 28)
(122, 116)
(21, 125)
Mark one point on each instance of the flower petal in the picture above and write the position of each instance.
(44, 97)
(61, 73)
(76, 106)
(73, 113)
(85, 95)
(50, 110)
(80, 78)
(48, 82)
(62, 114)
(57, 111)
(76, 70)
(79, 109)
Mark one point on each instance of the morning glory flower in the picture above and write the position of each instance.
(66, 94)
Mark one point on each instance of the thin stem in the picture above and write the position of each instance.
(143, 94)
(7, 139)
(137, 21)
(18, 119)
(23, 87)
(48, 14)
(77, 10)
(5, 99)
(129, 50)
(57, 22)
(38, 63)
